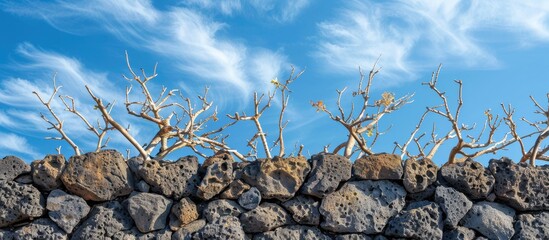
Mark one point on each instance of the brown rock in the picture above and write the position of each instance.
(234, 190)
(183, 213)
(378, 167)
(419, 174)
(219, 174)
(46, 173)
(98, 176)
(280, 178)
(172, 179)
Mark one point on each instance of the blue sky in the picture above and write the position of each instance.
(498, 49)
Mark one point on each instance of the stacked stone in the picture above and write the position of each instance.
(103, 196)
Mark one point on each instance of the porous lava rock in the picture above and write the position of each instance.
(304, 209)
(135, 234)
(149, 211)
(420, 220)
(492, 220)
(532, 226)
(98, 176)
(19, 202)
(265, 217)
(378, 167)
(66, 210)
(250, 199)
(293, 232)
(46, 173)
(172, 179)
(521, 186)
(362, 206)
(281, 178)
(104, 220)
(222, 207)
(42, 228)
(419, 174)
(226, 227)
(454, 204)
(235, 189)
(186, 232)
(353, 236)
(459, 233)
(469, 177)
(218, 175)
(11, 167)
(328, 171)
(183, 213)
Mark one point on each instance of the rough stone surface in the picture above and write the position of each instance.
(66, 210)
(226, 227)
(304, 210)
(46, 173)
(24, 179)
(469, 177)
(460, 233)
(423, 195)
(265, 217)
(420, 220)
(419, 174)
(293, 232)
(6, 235)
(235, 189)
(352, 236)
(454, 204)
(42, 228)
(532, 226)
(281, 178)
(218, 175)
(328, 171)
(249, 171)
(172, 179)
(104, 221)
(219, 208)
(183, 213)
(520, 185)
(362, 206)
(11, 167)
(378, 167)
(148, 210)
(250, 199)
(492, 220)
(186, 232)
(135, 234)
(19, 202)
(98, 176)
(143, 186)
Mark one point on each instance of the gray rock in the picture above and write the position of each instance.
(420, 220)
(6, 235)
(135, 234)
(460, 233)
(183, 213)
(328, 171)
(532, 226)
(521, 186)
(419, 174)
(249, 173)
(353, 236)
(292, 232)
(454, 204)
(227, 227)
(362, 206)
(135, 163)
(234, 190)
(11, 167)
(23, 179)
(423, 195)
(469, 177)
(304, 210)
(104, 221)
(250, 199)
(46, 173)
(66, 210)
(219, 208)
(493, 220)
(378, 167)
(172, 179)
(186, 232)
(219, 174)
(98, 176)
(142, 186)
(265, 217)
(42, 228)
(19, 202)
(281, 178)
(149, 211)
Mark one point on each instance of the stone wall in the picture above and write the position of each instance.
(104, 196)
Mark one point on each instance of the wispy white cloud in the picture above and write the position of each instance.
(13, 144)
(409, 35)
(226, 7)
